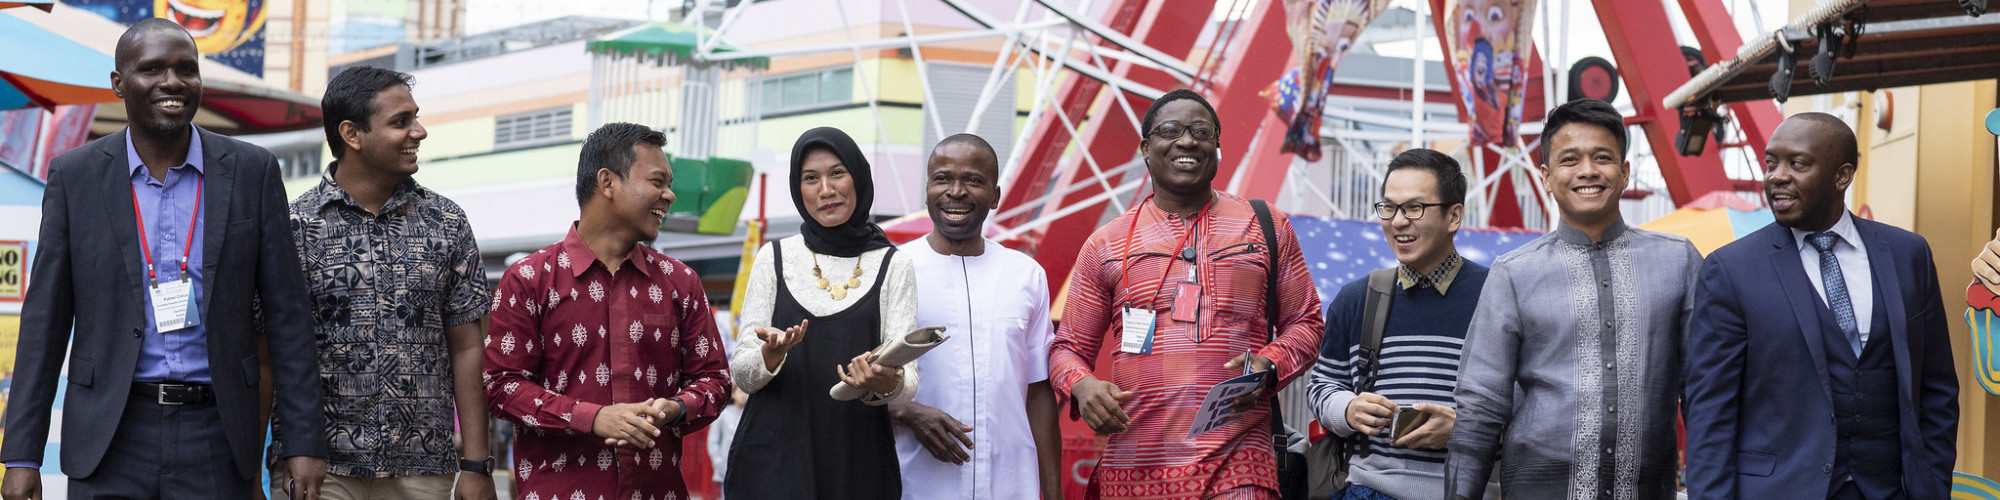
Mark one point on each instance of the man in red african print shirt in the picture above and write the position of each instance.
(600, 349)
(1206, 249)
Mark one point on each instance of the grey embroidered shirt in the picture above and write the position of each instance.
(1572, 368)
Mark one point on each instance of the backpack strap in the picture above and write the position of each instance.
(1271, 308)
(1270, 278)
(1375, 316)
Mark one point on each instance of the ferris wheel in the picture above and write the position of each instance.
(1095, 65)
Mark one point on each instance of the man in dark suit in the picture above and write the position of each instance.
(1819, 363)
(163, 370)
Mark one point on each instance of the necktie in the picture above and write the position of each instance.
(1835, 284)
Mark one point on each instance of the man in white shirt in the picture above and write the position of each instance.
(983, 424)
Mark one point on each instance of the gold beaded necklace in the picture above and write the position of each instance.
(836, 290)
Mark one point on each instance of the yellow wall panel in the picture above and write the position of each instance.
(457, 138)
(1954, 200)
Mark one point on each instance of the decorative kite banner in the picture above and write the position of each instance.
(1983, 313)
(1490, 44)
(1321, 31)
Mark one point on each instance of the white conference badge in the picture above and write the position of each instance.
(1138, 331)
(172, 305)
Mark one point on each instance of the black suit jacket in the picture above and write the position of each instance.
(88, 276)
(1756, 428)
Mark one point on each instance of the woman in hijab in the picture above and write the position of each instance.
(815, 305)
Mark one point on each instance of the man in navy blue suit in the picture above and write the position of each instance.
(1819, 363)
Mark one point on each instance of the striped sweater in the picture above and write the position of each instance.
(1419, 364)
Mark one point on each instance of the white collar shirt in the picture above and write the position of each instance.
(995, 308)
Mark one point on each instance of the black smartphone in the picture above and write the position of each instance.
(1407, 419)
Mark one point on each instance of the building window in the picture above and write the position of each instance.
(807, 90)
(533, 128)
(299, 164)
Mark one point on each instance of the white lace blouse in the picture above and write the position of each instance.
(899, 307)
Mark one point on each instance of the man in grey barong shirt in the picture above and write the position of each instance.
(1572, 364)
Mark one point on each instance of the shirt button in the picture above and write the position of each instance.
(1826, 469)
(1607, 451)
(1607, 283)
(1611, 366)
(1611, 409)
(1607, 324)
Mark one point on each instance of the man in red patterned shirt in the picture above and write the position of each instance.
(1180, 280)
(600, 349)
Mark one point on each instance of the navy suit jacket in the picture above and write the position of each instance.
(1759, 404)
(86, 299)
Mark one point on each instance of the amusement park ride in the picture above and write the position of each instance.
(1075, 159)
(1069, 171)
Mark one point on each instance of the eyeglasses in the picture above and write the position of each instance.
(1413, 210)
(1203, 131)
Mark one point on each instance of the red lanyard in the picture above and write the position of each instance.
(152, 275)
(1131, 233)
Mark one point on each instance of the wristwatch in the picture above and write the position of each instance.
(683, 414)
(480, 466)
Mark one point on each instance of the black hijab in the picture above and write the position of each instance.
(858, 234)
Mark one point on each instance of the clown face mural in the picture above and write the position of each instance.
(228, 31)
(217, 25)
(1489, 45)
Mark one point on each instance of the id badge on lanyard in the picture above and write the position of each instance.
(1138, 332)
(1141, 323)
(173, 305)
(1187, 294)
(173, 301)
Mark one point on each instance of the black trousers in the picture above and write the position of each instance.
(162, 452)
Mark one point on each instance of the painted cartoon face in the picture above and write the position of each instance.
(1471, 17)
(1493, 20)
(1335, 43)
(217, 25)
(1498, 19)
(1482, 71)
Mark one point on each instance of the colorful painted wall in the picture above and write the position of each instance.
(1931, 170)
(229, 31)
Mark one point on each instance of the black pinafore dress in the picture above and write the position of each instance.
(795, 441)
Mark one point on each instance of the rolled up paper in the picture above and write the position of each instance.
(894, 353)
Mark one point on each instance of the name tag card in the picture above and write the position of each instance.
(1187, 302)
(1138, 331)
(173, 308)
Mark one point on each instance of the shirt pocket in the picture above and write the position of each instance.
(423, 282)
(1239, 275)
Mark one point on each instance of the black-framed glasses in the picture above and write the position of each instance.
(1203, 131)
(1413, 210)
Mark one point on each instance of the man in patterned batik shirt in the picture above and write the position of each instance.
(397, 291)
(601, 349)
